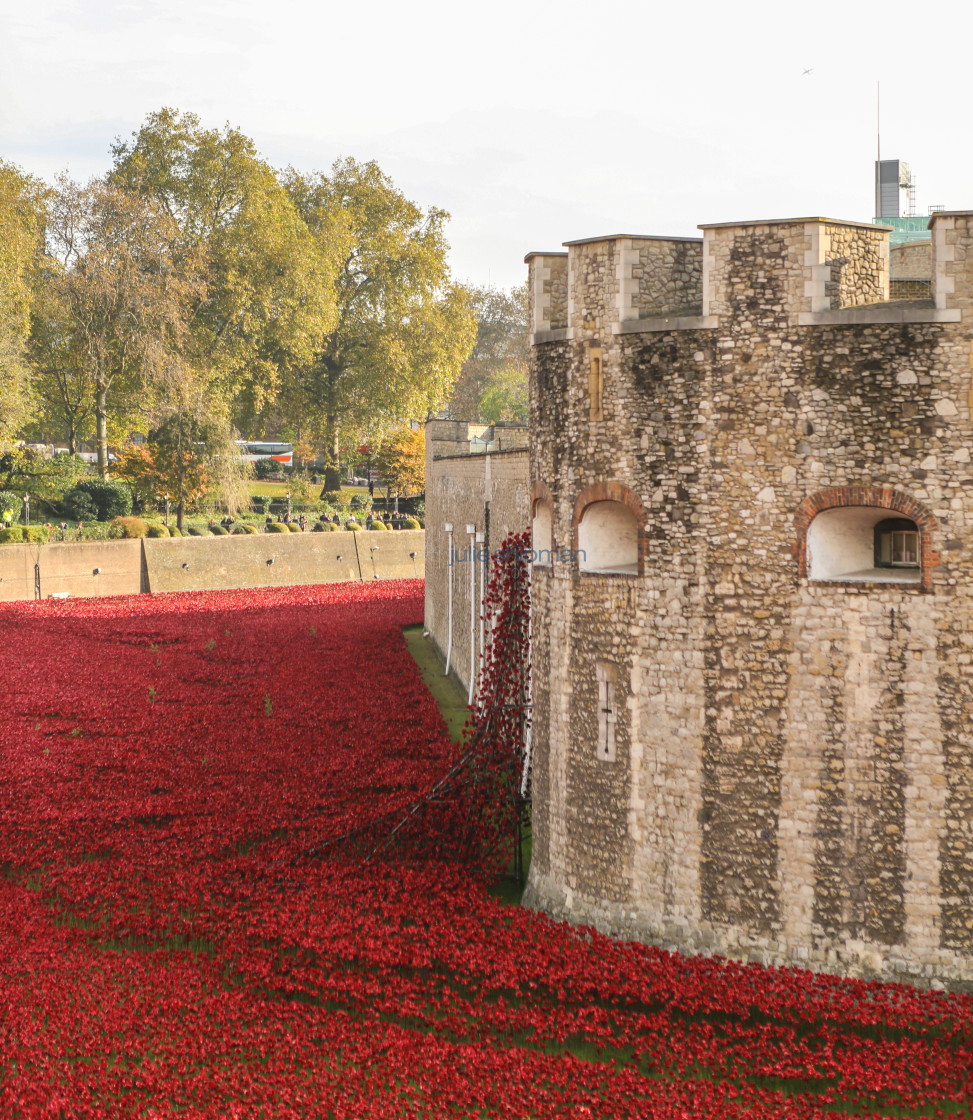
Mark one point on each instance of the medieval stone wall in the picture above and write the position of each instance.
(792, 778)
(487, 491)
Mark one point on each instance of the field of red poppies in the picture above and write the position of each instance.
(181, 936)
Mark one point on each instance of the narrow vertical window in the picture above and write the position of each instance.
(596, 382)
(605, 676)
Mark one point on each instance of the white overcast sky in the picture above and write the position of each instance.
(533, 123)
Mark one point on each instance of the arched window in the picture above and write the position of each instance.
(851, 543)
(541, 532)
(608, 539)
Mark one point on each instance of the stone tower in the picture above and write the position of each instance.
(753, 682)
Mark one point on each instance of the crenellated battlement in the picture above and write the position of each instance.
(803, 271)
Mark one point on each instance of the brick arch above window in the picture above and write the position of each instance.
(540, 492)
(613, 492)
(869, 497)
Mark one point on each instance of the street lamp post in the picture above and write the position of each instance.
(27, 509)
(288, 505)
(165, 498)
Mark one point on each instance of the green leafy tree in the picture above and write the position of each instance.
(501, 346)
(63, 382)
(403, 328)
(125, 290)
(504, 395)
(268, 294)
(22, 202)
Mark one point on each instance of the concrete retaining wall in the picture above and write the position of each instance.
(102, 568)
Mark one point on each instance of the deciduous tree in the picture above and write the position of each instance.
(268, 295)
(125, 288)
(403, 328)
(21, 229)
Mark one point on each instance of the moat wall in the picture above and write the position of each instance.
(106, 568)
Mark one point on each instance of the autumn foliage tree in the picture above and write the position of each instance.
(401, 461)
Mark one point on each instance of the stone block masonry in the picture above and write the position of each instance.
(487, 491)
(791, 772)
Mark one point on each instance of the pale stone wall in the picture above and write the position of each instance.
(912, 260)
(487, 491)
(100, 568)
(793, 779)
(858, 257)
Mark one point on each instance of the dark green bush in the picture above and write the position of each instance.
(268, 468)
(110, 498)
(13, 535)
(80, 505)
(156, 530)
(130, 528)
(277, 527)
(259, 503)
(218, 530)
(361, 503)
(197, 531)
(243, 527)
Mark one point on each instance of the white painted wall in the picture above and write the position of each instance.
(541, 533)
(841, 542)
(608, 538)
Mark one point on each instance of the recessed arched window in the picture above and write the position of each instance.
(608, 539)
(862, 543)
(541, 532)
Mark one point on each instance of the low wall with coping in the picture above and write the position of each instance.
(101, 568)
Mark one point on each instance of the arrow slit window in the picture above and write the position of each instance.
(607, 715)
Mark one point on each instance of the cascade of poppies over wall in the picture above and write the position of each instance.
(177, 938)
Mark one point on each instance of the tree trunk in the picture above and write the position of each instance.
(72, 437)
(101, 429)
(179, 516)
(332, 466)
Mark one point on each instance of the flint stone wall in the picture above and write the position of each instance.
(793, 780)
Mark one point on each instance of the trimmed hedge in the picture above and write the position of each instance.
(156, 530)
(295, 528)
(243, 527)
(197, 531)
(411, 523)
(13, 535)
(130, 528)
(380, 525)
(174, 532)
(259, 503)
(277, 527)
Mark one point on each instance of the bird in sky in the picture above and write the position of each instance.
(809, 70)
